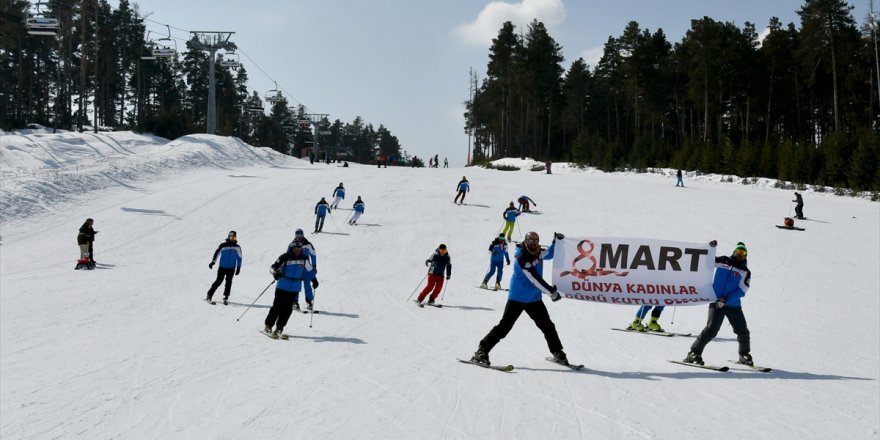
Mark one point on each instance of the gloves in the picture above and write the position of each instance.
(448, 276)
(558, 235)
(554, 295)
(211, 265)
(237, 270)
(718, 304)
(427, 262)
(713, 243)
(315, 283)
(275, 273)
(508, 262)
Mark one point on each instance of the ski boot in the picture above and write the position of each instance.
(419, 302)
(430, 302)
(654, 326)
(296, 307)
(481, 357)
(636, 325)
(225, 300)
(560, 358)
(746, 359)
(310, 307)
(276, 334)
(497, 286)
(484, 285)
(694, 358)
(268, 330)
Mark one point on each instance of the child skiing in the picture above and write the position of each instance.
(84, 239)
(799, 208)
(510, 214)
(338, 195)
(652, 324)
(731, 282)
(311, 282)
(358, 210)
(289, 270)
(498, 251)
(437, 264)
(524, 203)
(230, 264)
(463, 188)
(321, 210)
(526, 287)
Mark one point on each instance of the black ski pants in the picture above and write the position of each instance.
(281, 309)
(716, 318)
(319, 223)
(537, 311)
(221, 274)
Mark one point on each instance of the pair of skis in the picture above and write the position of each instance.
(494, 290)
(652, 332)
(422, 305)
(275, 336)
(212, 302)
(510, 368)
(736, 366)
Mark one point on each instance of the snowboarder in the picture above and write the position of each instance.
(524, 203)
(289, 270)
(731, 282)
(85, 239)
(230, 264)
(652, 324)
(321, 210)
(679, 182)
(799, 208)
(358, 210)
(437, 263)
(311, 282)
(526, 287)
(498, 251)
(463, 187)
(510, 214)
(338, 196)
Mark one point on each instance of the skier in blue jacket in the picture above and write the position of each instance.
(463, 188)
(311, 282)
(498, 251)
(731, 282)
(358, 210)
(509, 215)
(338, 195)
(289, 271)
(321, 210)
(230, 264)
(526, 287)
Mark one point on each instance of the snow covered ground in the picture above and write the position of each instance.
(130, 350)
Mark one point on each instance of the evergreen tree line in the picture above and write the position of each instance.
(92, 74)
(801, 105)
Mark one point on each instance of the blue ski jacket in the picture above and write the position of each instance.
(464, 185)
(294, 269)
(339, 192)
(322, 208)
(230, 255)
(359, 206)
(510, 214)
(527, 283)
(731, 281)
(498, 249)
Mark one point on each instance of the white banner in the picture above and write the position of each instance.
(634, 271)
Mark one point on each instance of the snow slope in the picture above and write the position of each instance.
(130, 351)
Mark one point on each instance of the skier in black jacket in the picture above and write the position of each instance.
(85, 240)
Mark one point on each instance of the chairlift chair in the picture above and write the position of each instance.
(165, 47)
(230, 59)
(40, 23)
(274, 95)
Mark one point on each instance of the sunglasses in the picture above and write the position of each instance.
(442, 251)
(741, 253)
(532, 241)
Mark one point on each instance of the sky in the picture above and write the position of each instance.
(405, 64)
(130, 350)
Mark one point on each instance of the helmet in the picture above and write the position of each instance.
(532, 242)
(299, 232)
(789, 222)
(501, 235)
(232, 235)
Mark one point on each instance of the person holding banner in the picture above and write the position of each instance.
(510, 214)
(526, 286)
(732, 278)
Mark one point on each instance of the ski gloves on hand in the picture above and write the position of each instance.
(211, 265)
(558, 235)
(713, 243)
(314, 284)
(554, 295)
(275, 273)
(718, 304)
(237, 270)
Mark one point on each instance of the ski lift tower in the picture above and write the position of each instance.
(315, 119)
(211, 41)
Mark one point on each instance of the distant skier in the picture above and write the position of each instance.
(547, 166)
(463, 188)
(445, 162)
(358, 210)
(679, 182)
(799, 208)
(311, 282)
(731, 282)
(524, 203)
(526, 287)
(321, 210)
(289, 270)
(230, 264)
(436, 161)
(652, 324)
(338, 196)
(509, 215)
(498, 252)
(437, 263)
(85, 240)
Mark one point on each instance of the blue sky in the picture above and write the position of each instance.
(405, 63)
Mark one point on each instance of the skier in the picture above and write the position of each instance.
(437, 263)
(85, 239)
(526, 287)
(463, 187)
(230, 265)
(338, 195)
(308, 249)
(731, 282)
(321, 210)
(358, 210)
(799, 208)
(498, 251)
(436, 161)
(510, 214)
(445, 162)
(547, 166)
(652, 324)
(289, 270)
(679, 182)
(524, 203)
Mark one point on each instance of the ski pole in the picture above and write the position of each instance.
(417, 287)
(672, 321)
(519, 230)
(335, 228)
(255, 300)
(443, 294)
(314, 297)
